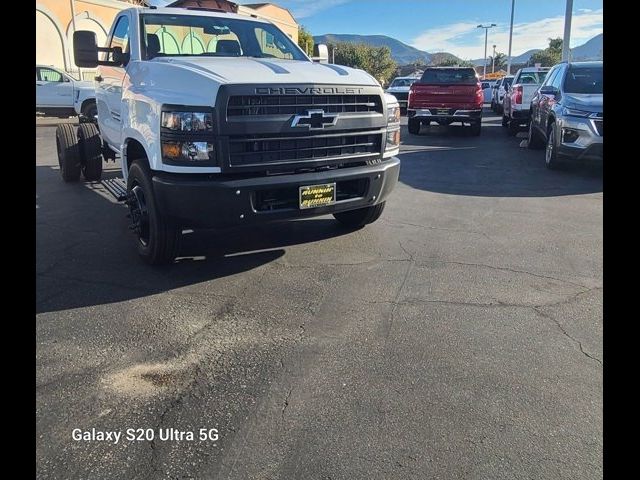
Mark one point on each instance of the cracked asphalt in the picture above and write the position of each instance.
(459, 337)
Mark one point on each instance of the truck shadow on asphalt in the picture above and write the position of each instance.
(85, 254)
(447, 159)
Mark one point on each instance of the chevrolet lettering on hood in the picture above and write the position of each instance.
(308, 90)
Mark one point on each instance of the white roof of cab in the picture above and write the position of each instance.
(196, 13)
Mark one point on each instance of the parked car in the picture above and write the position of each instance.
(58, 94)
(486, 90)
(499, 91)
(399, 88)
(566, 114)
(445, 95)
(516, 102)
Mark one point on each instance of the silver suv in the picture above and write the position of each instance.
(566, 114)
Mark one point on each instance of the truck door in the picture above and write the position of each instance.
(53, 89)
(109, 85)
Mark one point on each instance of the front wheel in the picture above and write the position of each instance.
(157, 237)
(551, 153)
(476, 128)
(414, 126)
(513, 128)
(505, 120)
(534, 142)
(360, 217)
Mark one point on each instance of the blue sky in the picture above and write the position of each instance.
(450, 25)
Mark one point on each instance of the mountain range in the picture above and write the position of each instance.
(405, 54)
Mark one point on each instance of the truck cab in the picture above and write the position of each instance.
(516, 101)
(220, 119)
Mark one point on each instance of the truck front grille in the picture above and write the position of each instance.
(244, 105)
(277, 149)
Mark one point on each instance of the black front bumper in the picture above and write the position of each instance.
(207, 201)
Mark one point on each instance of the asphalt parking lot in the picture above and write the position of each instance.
(460, 336)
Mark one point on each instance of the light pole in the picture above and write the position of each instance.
(513, 5)
(486, 32)
(493, 60)
(567, 31)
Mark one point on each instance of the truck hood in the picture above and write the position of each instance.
(591, 102)
(398, 89)
(237, 70)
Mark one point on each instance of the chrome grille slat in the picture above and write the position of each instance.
(245, 105)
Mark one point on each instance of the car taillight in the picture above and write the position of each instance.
(517, 94)
(409, 96)
(479, 94)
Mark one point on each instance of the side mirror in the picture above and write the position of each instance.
(320, 53)
(549, 90)
(85, 49)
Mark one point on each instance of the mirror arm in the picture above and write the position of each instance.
(108, 63)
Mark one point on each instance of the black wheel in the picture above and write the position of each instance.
(426, 123)
(493, 106)
(534, 142)
(476, 128)
(360, 217)
(90, 111)
(68, 152)
(90, 147)
(414, 126)
(157, 237)
(513, 128)
(551, 152)
(505, 121)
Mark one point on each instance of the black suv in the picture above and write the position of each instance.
(566, 114)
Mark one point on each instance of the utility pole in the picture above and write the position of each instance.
(493, 60)
(567, 31)
(333, 55)
(486, 32)
(513, 5)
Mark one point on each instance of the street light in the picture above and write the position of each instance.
(567, 31)
(513, 5)
(486, 32)
(493, 60)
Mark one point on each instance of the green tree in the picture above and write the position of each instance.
(550, 55)
(453, 62)
(305, 40)
(376, 61)
(501, 61)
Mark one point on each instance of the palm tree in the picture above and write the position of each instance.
(501, 61)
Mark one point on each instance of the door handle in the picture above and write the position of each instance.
(98, 78)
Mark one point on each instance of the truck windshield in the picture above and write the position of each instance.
(191, 35)
(448, 76)
(402, 82)
(583, 80)
(531, 78)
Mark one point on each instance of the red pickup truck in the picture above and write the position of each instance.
(445, 95)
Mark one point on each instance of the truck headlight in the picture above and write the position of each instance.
(187, 152)
(187, 121)
(393, 114)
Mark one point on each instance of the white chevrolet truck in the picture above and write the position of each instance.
(220, 119)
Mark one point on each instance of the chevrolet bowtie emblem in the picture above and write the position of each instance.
(314, 119)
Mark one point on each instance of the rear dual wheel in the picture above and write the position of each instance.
(68, 152)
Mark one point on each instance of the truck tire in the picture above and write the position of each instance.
(157, 236)
(68, 152)
(90, 146)
(90, 111)
(360, 217)
(476, 128)
(413, 126)
(513, 128)
(534, 142)
(505, 120)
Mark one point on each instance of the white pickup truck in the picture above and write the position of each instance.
(220, 119)
(58, 94)
(517, 101)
